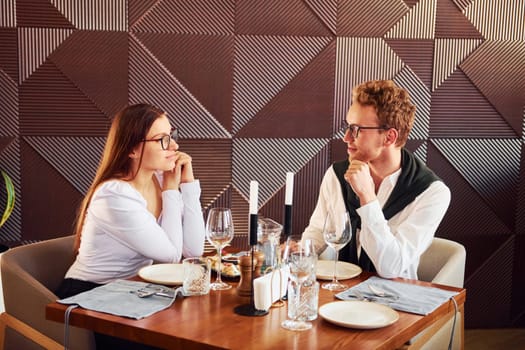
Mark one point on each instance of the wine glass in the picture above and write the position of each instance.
(336, 233)
(301, 258)
(219, 231)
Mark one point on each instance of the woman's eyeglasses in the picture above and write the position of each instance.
(166, 139)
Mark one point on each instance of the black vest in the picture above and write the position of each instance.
(415, 178)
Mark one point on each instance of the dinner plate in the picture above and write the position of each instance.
(168, 274)
(358, 314)
(345, 270)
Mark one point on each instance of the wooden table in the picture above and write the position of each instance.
(209, 322)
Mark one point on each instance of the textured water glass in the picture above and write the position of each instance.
(308, 303)
(197, 276)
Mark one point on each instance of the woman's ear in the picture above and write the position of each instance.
(135, 153)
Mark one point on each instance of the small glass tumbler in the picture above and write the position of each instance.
(197, 276)
(306, 308)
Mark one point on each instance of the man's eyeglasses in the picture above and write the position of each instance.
(354, 129)
(165, 140)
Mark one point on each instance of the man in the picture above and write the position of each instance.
(395, 202)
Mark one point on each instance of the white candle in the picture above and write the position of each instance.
(254, 188)
(289, 189)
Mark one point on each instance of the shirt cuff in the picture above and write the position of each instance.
(191, 189)
(371, 213)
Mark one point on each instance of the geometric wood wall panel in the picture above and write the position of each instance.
(498, 19)
(8, 54)
(420, 96)
(494, 303)
(264, 66)
(496, 183)
(318, 111)
(42, 14)
(418, 23)
(268, 161)
(448, 54)
(469, 115)
(54, 216)
(35, 45)
(151, 81)
(272, 18)
(469, 213)
(9, 103)
(7, 15)
(207, 65)
(498, 70)
(96, 62)
(259, 88)
(214, 17)
(355, 16)
(51, 104)
(62, 153)
(452, 23)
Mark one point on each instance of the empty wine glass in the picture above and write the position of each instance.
(219, 231)
(301, 258)
(337, 233)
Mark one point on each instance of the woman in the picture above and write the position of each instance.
(142, 206)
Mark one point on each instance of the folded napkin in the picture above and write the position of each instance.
(398, 295)
(269, 288)
(120, 298)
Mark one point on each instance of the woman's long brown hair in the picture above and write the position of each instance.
(128, 129)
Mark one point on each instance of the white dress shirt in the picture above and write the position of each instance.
(394, 246)
(120, 235)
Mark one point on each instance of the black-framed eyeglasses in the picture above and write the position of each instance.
(354, 129)
(166, 139)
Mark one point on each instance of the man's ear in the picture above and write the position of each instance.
(391, 136)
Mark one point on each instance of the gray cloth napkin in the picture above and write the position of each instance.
(400, 296)
(120, 298)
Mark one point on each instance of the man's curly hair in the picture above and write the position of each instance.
(392, 105)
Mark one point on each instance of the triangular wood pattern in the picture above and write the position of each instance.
(355, 16)
(150, 81)
(272, 17)
(417, 54)
(8, 53)
(451, 23)
(469, 115)
(39, 183)
(207, 64)
(212, 17)
(311, 93)
(50, 104)
(468, 213)
(9, 103)
(497, 69)
(96, 62)
(37, 13)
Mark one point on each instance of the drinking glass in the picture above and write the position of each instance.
(301, 259)
(219, 231)
(337, 233)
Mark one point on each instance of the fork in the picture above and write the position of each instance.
(163, 293)
(381, 293)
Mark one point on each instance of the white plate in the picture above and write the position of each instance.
(345, 270)
(358, 314)
(168, 274)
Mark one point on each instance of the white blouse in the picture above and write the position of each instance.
(120, 235)
(394, 246)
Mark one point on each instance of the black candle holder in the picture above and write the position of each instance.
(249, 309)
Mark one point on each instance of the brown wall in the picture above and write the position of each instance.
(259, 88)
